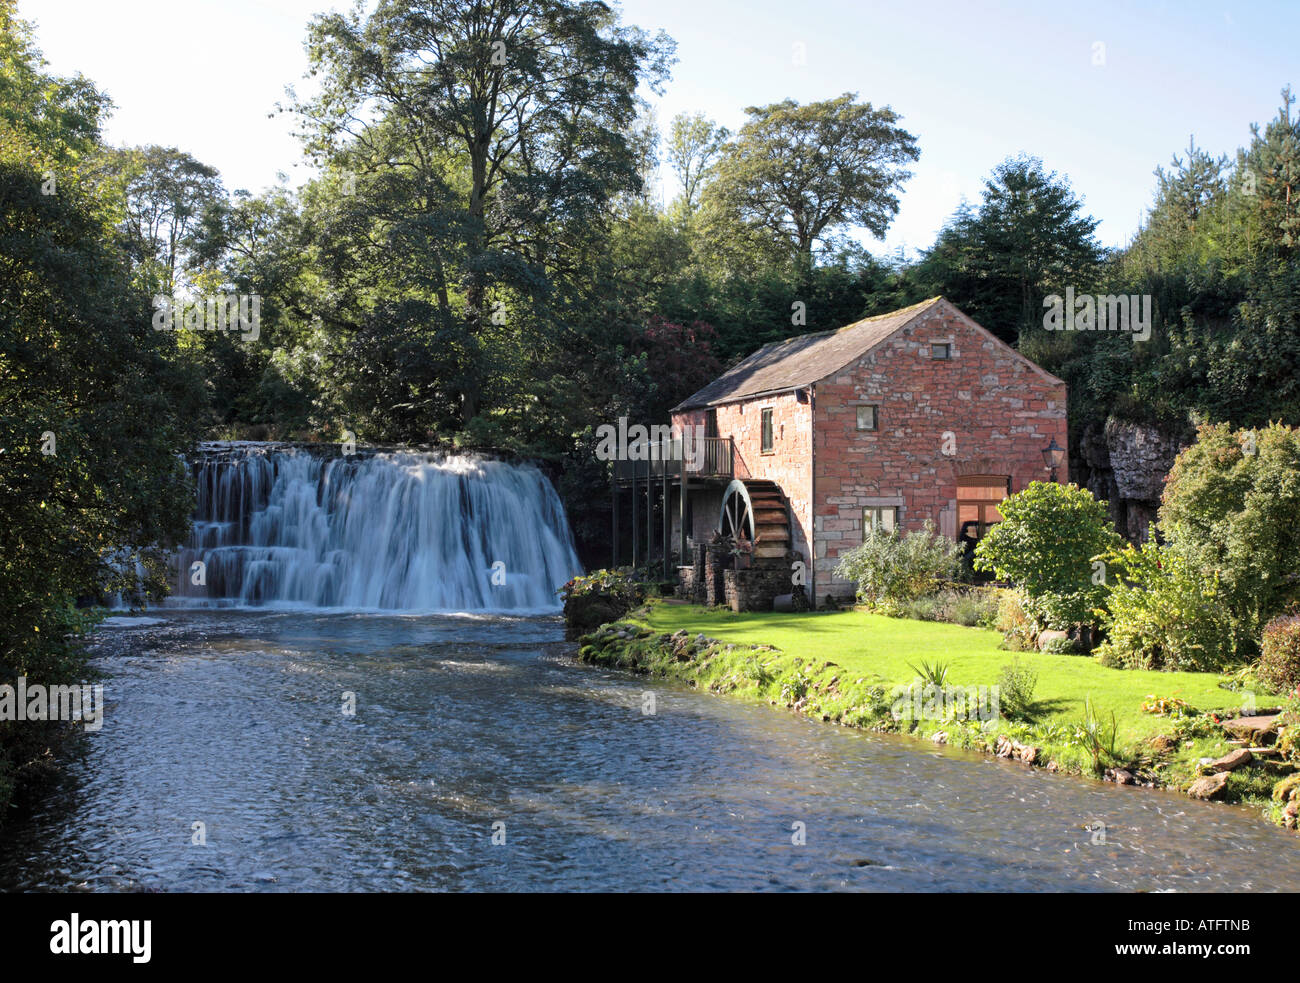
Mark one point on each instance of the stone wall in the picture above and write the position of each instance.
(756, 588)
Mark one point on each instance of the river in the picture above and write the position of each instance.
(234, 719)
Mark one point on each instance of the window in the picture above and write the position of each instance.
(868, 417)
(940, 351)
(978, 498)
(767, 431)
(879, 520)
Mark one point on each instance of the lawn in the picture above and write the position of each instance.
(882, 649)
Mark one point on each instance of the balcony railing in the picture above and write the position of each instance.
(702, 457)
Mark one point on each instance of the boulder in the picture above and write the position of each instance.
(1209, 787)
(1259, 729)
(1232, 760)
(1049, 635)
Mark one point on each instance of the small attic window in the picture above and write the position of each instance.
(940, 351)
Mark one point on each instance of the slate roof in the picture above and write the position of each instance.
(801, 361)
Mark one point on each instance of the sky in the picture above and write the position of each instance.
(1102, 91)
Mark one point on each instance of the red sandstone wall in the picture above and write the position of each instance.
(1001, 411)
(788, 464)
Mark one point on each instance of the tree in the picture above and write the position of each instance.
(1230, 510)
(1268, 175)
(1028, 239)
(1188, 199)
(694, 143)
(805, 174)
(506, 123)
(1049, 541)
(167, 194)
(59, 114)
(94, 407)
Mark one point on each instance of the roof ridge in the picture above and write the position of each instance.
(797, 361)
(853, 324)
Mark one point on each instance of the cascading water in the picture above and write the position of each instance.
(277, 524)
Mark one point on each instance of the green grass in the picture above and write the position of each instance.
(882, 650)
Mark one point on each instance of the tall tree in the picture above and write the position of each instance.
(1188, 196)
(694, 143)
(94, 408)
(167, 194)
(510, 121)
(1028, 238)
(806, 174)
(1268, 174)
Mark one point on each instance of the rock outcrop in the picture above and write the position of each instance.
(1126, 464)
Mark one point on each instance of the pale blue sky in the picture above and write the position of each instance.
(975, 82)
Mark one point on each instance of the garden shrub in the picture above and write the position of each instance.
(1229, 509)
(1162, 616)
(1016, 691)
(971, 608)
(926, 608)
(1062, 646)
(893, 568)
(1279, 654)
(1047, 542)
(1017, 627)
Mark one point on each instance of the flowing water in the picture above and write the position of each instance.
(279, 525)
(234, 719)
(258, 738)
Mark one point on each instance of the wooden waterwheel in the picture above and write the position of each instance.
(754, 511)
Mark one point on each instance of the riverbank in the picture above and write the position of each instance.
(853, 668)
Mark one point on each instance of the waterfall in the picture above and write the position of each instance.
(280, 525)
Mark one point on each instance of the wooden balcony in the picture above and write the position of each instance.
(710, 458)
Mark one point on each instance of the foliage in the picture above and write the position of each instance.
(1028, 239)
(622, 584)
(1047, 542)
(490, 143)
(95, 405)
(694, 145)
(1018, 629)
(1166, 706)
(935, 674)
(1229, 512)
(1098, 734)
(803, 174)
(1016, 684)
(1279, 655)
(795, 687)
(1163, 615)
(891, 568)
(978, 606)
(1061, 646)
